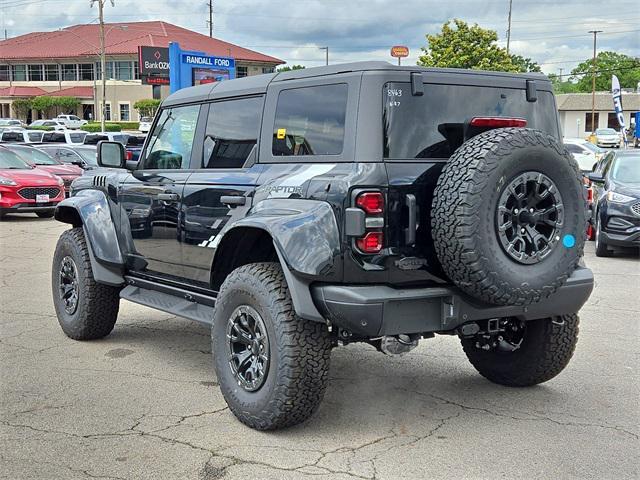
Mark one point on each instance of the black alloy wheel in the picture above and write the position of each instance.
(530, 215)
(248, 348)
(68, 286)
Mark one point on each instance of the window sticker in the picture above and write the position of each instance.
(282, 133)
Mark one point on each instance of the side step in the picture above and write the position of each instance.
(170, 300)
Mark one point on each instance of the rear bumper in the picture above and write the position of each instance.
(377, 310)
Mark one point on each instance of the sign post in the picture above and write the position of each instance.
(399, 52)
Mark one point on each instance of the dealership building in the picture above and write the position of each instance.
(66, 62)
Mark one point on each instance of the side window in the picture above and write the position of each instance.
(172, 138)
(232, 132)
(310, 121)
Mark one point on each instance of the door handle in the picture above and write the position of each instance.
(233, 199)
(410, 231)
(168, 197)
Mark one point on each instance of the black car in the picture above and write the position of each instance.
(85, 156)
(616, 201)
(297, 211)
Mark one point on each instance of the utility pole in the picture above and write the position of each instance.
(326, 49)
(103, 61)
(593, 83)
(560, 73)
(509, 26)
(211, 18)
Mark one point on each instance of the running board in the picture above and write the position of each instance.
(171, 300)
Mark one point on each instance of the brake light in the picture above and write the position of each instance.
(590, 195)
(128, 155)
(370, 243)
(371, 202)
(497, 122)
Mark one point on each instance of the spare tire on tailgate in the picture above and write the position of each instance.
(508, 216)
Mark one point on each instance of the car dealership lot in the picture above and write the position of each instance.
(144, 403)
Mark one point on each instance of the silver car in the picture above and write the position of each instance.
(607, 137)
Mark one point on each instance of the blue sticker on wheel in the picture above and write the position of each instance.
(569, 241)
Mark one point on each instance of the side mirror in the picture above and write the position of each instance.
(596, 178)
(111, 154)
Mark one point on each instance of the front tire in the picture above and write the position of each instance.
(547, 346)
(601, 246)
(272, 366)
(86, 310)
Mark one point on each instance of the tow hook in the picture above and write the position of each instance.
(398, 344)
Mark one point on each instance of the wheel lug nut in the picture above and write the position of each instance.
(515, 211)
(531, 210)
(522, 230)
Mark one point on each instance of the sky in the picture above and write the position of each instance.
(553, 33)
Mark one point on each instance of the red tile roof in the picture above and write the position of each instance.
(121, 39)
(21, 92)
(78, 92)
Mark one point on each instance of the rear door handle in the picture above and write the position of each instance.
(233, 199)
(168, 197)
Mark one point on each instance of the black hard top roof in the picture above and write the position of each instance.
(258, 83)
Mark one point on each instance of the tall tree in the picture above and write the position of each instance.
(460, 45)
(626, 68)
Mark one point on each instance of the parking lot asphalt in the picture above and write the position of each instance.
(143, 403)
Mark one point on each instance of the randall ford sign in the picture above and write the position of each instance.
(154, 61)
(206, 61)
(399, 51)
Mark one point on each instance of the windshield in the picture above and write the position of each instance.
(35, 136)
(77, 137)
(33, 155)
(626, 169)
(9, 160)
(435, 124)
(89, 155)
(145, 119)
(592, 147)
(605, 131)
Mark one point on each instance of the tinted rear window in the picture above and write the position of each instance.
(433, 125)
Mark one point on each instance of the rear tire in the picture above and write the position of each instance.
(291, 378)
(508, 216)
(547, 346)
(86, 310)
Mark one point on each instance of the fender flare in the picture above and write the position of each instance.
(307, 241)
(90, 209)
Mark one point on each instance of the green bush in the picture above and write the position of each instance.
(96, 127)
(128, 125)
(41, 127)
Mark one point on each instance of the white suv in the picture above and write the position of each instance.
(55, 124)
(71, 121)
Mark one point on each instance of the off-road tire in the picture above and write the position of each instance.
(98, 304)
(602, 250)
(464, 213)
(300, 351)
(45, 214)
(546, 349)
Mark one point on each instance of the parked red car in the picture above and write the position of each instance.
(34, 156)
(24, 188)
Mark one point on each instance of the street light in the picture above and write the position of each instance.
(103, 66)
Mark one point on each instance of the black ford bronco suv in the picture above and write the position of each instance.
(297, 211)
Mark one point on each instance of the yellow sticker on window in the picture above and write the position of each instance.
(282, 133)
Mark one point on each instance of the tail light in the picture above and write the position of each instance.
(371, 242)
(128, 155)
(497, 122)
(590, 195)
(372, 203)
